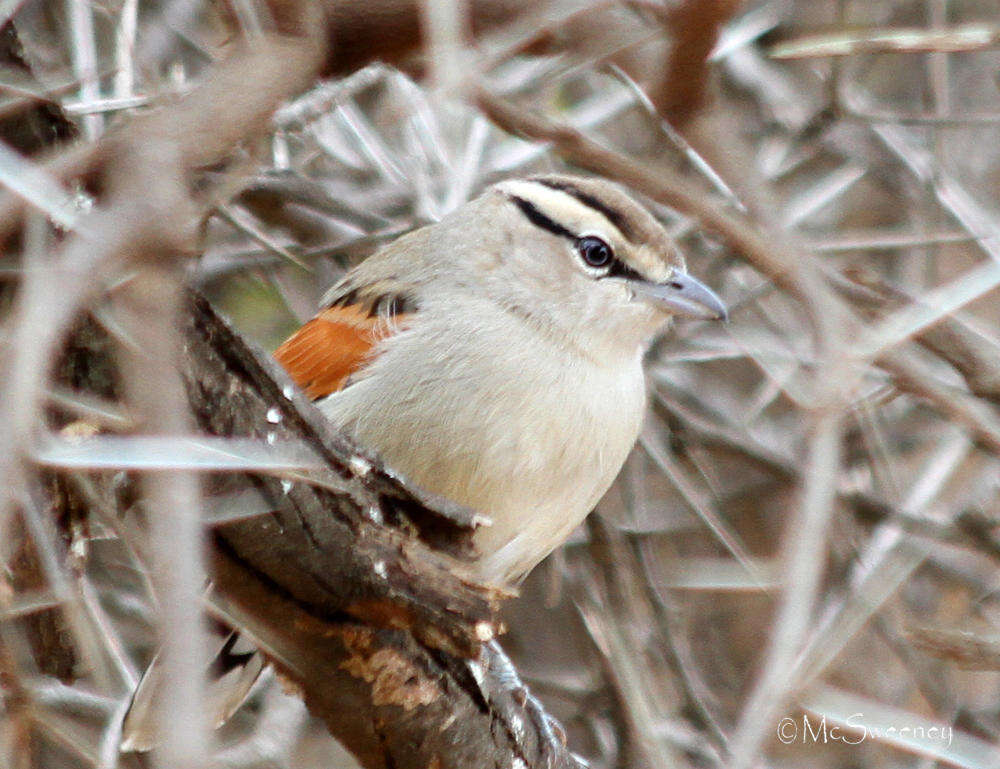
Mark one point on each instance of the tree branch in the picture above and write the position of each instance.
(353, 583)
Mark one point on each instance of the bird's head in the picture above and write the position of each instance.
(580, 255)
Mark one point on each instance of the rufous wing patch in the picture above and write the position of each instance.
(322, 354)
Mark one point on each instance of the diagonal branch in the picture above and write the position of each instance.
(353, 583)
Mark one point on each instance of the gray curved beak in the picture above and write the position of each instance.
(682, 295)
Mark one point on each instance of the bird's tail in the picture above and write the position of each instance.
(235, 667)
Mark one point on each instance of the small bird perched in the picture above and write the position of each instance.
(494, 358)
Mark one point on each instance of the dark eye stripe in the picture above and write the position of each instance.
(618, 269)
(621, 270)
(539, 219)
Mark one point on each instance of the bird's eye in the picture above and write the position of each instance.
(594, 252)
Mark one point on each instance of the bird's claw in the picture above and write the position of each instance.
(552, 742)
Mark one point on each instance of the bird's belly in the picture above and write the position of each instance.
(533, 455)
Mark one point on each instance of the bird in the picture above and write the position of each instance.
(495, 358)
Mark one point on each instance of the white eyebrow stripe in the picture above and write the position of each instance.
(564, 209)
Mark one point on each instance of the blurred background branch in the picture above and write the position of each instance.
(807, 528)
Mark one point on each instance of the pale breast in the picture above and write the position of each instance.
(521, 430)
